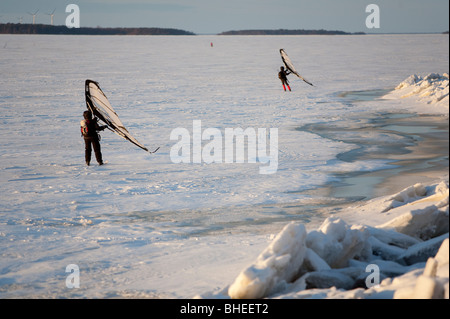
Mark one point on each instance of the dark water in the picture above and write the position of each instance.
(415, 148)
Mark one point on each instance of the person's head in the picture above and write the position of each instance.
(87, 115)
(282, 68)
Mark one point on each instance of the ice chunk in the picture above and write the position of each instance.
(385, 251)
(314, 262)
(335, 242)
(423, 223)
(442, 259)
(431, 89)
(327, 279)
(409, 81)
(433, 283)
(426, 216)
(428, 288)
(406, 196)
(278, 264)
(392, 237)
(422, 251)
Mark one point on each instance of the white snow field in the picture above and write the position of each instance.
(144, 226)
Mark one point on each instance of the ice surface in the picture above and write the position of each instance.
(142, 226)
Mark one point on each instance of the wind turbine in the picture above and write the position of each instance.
(34, 16)
(51, 16)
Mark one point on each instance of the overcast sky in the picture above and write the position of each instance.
(215, 16)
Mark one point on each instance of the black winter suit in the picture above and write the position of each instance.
(92, 140)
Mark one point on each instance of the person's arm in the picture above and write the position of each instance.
(98, 127)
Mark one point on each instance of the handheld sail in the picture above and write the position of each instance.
(290, 66)
(100, 107)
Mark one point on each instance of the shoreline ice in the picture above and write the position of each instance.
(423, 94)
(409, 248)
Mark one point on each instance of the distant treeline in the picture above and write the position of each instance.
(286, 32)
(19, 28)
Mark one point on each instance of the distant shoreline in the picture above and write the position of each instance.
(288, 32)
(19, 28)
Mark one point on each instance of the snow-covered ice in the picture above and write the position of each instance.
(143, 226)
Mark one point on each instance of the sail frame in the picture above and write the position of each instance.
(290, 66)
(98, 104)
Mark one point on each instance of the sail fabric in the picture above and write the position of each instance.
(290, 66)
(99, 105)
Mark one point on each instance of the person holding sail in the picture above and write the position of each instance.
(89, 131)
(282, 75)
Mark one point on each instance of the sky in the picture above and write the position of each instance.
(215, 16)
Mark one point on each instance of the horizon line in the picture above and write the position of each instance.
(240, 30)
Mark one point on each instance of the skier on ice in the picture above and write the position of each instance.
(89, 128)
(282, 75)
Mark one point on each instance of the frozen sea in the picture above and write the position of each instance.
(143, 226)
